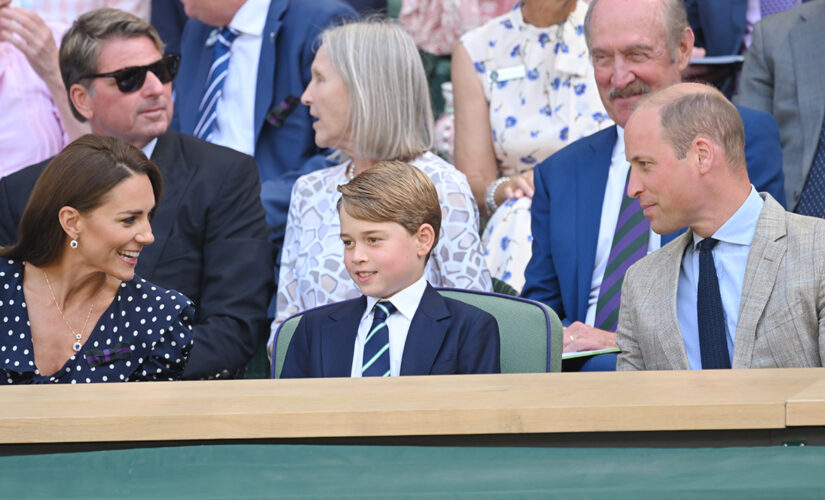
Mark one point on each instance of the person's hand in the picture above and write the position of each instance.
(517, 186)
(29, 33)
(580, 337)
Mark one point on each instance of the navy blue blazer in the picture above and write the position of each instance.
(446, 336)
(719, 27)
(283, 151)
(210, 244)
(567, 207)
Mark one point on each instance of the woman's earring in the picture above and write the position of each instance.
(73, 243)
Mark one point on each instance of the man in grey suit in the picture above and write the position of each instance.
(744, 287)
(783, 75)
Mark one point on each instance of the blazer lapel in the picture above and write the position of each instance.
(426, 334)
(767, 251)
(673, 344)
(264, 87)
(168, 156)
(591, 182)
(337, 349)
(808, 61)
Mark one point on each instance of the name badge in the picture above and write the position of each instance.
(505, 74)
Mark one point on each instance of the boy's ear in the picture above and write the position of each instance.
(425, 236)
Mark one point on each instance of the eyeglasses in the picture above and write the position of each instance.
(131, 79)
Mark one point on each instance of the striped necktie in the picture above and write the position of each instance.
(812, 200)
(377, 345)
(212, 90)
(629, 245)
(771, 7)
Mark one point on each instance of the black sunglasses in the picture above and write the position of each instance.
(131, 79)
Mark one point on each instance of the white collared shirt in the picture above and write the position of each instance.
(235, 122)
(406, 301)
(149, 148)
(613, 196)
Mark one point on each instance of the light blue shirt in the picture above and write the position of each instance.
(730, 257)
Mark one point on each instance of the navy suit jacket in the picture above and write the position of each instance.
(210, 244)
(567, 207)
(446, 336)
(283, 152)
(719, 27)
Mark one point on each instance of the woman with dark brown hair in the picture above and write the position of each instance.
(71, 307)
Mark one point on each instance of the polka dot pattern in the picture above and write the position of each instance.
(158, 345)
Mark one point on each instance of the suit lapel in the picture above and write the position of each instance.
(667, 278)
(426, 334)
(808, 61)
(767, 251)
(264, 87)
(337, 349)
(591, 182)
(168, 156)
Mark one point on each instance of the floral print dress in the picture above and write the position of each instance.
(542, 95)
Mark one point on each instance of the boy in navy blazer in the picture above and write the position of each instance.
(390, 221)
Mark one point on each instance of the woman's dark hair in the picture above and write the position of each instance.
(80, 177)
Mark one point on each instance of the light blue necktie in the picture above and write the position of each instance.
(212, 91)
(376, 361)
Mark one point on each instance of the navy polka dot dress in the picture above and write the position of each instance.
(145, 334)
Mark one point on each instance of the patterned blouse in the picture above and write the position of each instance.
(144, 334)
(312, 261)
(539, 84)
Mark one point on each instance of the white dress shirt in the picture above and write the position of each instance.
(235, 122)
(398, 323)
(613, 195)
(149, 148)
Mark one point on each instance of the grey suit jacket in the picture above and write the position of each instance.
(783, 75)
(782, 309)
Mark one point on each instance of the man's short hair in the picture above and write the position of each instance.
(393, 191)
(674, 17)
(707, 113)
(390, 116)
(82, 44)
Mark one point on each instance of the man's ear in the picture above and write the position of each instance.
(82, 100)
(703, 151)
(70, 221)
(425, 236)
(684, 49)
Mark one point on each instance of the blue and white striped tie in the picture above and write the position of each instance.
(208, 108)
(376, 361)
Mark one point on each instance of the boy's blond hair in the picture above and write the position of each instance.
(393, 191)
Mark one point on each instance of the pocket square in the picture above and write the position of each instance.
(278, 114)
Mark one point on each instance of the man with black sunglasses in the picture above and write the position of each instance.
(210, 230)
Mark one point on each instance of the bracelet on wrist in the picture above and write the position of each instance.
(490, 195)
